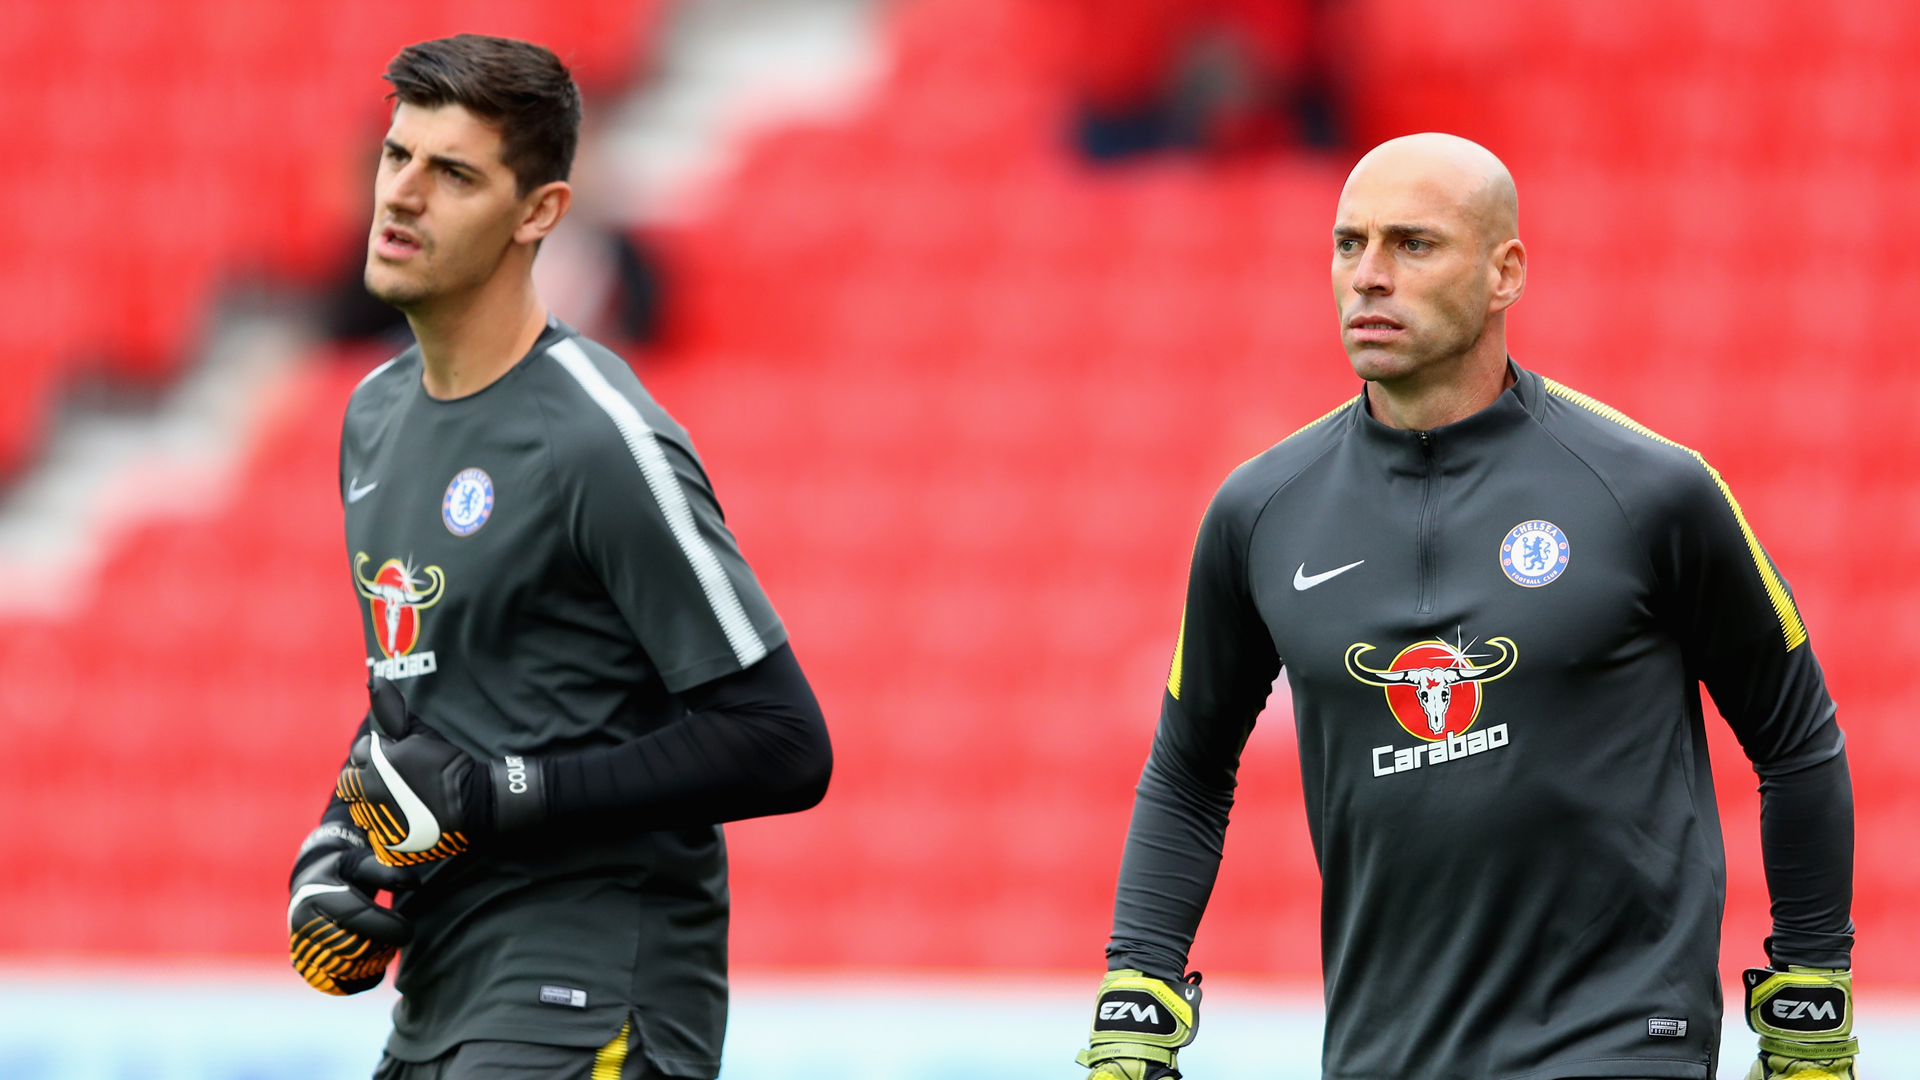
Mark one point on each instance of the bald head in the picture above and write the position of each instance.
(1448, 171)
(1427, 258)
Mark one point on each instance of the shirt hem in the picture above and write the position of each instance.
(578, 1033)
(689, 1067)
(1635, 1068)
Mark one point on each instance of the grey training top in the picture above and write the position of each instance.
(542, 566)
(1494, 634)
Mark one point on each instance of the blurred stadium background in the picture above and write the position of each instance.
(965, 378)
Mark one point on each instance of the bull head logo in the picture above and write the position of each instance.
(1433, 682)
(396, 597)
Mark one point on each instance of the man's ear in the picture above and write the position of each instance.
(545, 206)
(1510, 274)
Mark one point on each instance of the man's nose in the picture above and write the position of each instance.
(1374, 272)
(405, 190)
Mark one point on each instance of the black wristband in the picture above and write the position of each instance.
(519, 792)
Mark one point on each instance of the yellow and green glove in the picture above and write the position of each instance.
(1804, 1017)
(1138, 1024)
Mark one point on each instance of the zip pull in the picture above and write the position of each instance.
(1423, 602)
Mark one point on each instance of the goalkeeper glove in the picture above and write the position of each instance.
(419, 797)
(339, 940)
(1804, 1017)
(1138, 1024)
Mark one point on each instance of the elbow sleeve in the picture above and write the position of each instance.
(753, 743)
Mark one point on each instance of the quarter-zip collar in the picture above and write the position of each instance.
(1451, 446)
(1433, 458)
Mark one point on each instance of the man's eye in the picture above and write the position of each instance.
(1347, 247)
(1418, 245)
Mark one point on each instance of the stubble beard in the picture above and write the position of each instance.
(1448, 336)
(400, 288)
(402, 294)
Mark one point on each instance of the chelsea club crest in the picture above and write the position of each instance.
(1535, 553)
(468, 502)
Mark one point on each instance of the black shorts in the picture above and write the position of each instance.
(620, 1059)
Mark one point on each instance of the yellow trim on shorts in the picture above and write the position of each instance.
(1791, 628)
(611, 1058)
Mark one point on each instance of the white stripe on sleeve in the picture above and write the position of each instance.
(375, 373)
(672, 499)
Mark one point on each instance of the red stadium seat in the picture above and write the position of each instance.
(1141, 311)
(168, 147)
(965, 401)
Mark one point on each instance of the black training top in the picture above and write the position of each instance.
(544, 570)
(1493, 632)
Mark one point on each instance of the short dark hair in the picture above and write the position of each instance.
(521, 87)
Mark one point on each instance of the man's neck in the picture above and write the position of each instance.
(1436, 398)
(469, 342)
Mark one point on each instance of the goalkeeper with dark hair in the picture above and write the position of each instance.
(574, 675)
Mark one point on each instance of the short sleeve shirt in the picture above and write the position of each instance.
(542, 567)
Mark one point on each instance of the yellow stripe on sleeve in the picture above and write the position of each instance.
(1314, 423)
(1791, 628)
(1179, 653)
(1180, 644)
(1324, 417)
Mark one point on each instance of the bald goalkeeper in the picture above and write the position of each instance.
(1495, 600)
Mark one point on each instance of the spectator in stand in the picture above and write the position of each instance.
(1219, 76)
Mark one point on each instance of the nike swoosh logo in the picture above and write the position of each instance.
(305, 891)
(355, 494)
(1303, 582)
(422, 830)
